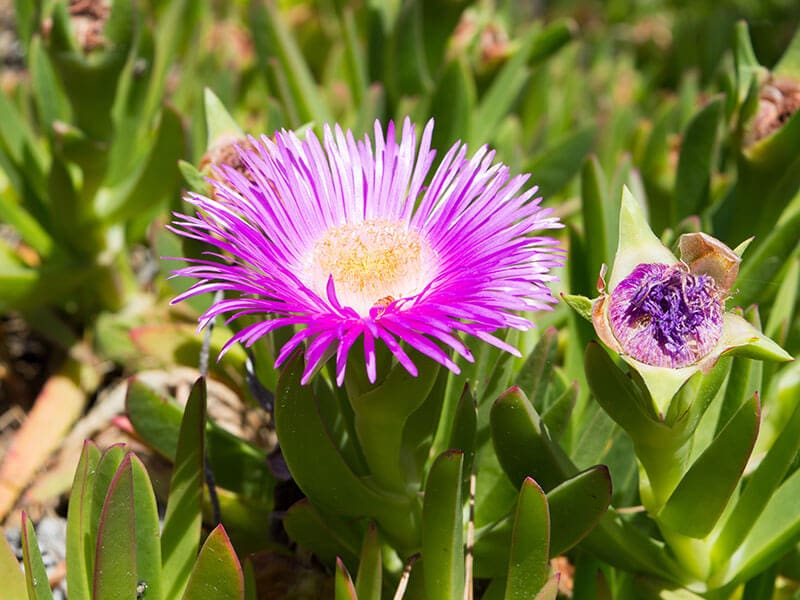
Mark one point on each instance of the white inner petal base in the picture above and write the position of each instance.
(372, 263)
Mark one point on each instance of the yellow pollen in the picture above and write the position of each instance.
(372, 263)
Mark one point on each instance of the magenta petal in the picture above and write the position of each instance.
(487, 262)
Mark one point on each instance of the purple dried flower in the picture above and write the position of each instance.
(341, 239)
(665, 316)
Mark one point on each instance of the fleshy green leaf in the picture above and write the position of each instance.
(594, 204)
(237, 465)
(115, 557)
(760, 488)
(523, 447)
(562, 160)
(576, 506)
(443, 529)
(370, 567)
(693, 178)
(35, 574)
(535, 375)
(702, 494)
(180, 539)
(11, 575)
(528, 565)
(344, 588)
(80, 550)
(772, 535)
(326, 535)
(315, 462)
(217, 573)
(147, 532)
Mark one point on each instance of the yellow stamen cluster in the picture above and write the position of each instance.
(370, 261)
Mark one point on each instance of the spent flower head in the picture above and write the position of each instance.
(666, 316)
(342, 239)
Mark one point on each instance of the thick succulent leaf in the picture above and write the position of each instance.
(315, 462)
(759, 489)
(115, 555)
(529, 565)
(273, 38)
(535, 375)
(180, 539)
(558, 414)
(773, 534)
(701, 496)
(327, 536)
(452, 103)
(693, 179)
(147, 531)
(370, 566)
(523, 447)
(535, 46)
(237, 465)
(11, 575)
(107, 468)
(381, 412)
(576, 506)
(549, 590)
(782, 312)
(80, 550)
(343, 584)
(443, 529)
(35, 574)
(768, 257)
(628, 405)
(217, 573)
(561, 161)
(594, 204)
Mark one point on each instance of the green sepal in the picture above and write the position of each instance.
(443, 528)
(217, 572)
(370, 567)
(343, 584)
(180, 538)
(740, 338)
(115, 556)
(789, 63)
(528, 564)
(703, 493)
(515, 425)
(221, 127)
(194, 178)
(637, 242)
(35, 574)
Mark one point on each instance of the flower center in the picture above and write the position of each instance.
(372, 263)
(664, 316)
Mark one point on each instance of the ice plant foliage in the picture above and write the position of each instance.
(347, 239)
